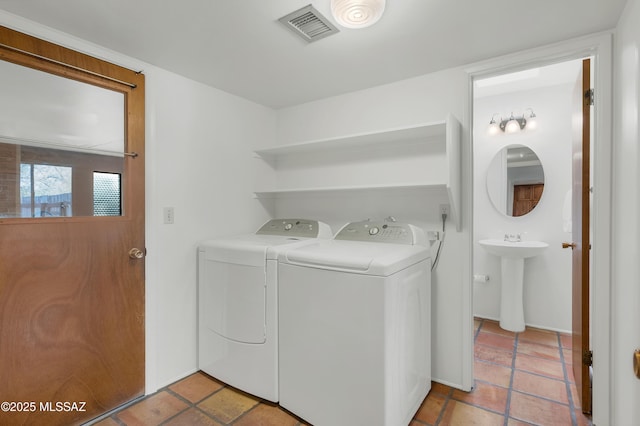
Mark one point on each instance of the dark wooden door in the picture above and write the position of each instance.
(526, 198)
(71, 297)
(580, 236)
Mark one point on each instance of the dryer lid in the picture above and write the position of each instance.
(245, 250)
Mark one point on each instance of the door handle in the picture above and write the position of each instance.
(569, 245)
(136, 253)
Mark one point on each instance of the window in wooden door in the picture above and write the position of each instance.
(45, 190)
(107, 194)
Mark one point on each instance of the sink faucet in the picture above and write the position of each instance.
(512, 238)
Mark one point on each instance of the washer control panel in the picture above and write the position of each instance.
(381, 232)
(302, 228)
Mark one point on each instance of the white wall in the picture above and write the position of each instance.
(425, 99)
(626, 213)
(547, 281)
(198, 160)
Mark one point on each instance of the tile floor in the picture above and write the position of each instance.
(521, 379)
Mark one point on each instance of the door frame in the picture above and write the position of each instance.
(600, 47)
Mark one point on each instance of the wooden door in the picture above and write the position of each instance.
(526, 198)
(580, 235)
(71, 297)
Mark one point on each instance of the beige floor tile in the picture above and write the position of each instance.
(227, 404)
(461, 414)
(107, 422)
(484, 395)
(535, 335)
(538, 411)
(476, 324)
(568, 356)
(545, 367)
(541, 351)
(266, 415)
(494, 327)
(492, 373)
(566, 340)
(431, 407)
(574, 396)
(493, 354)
(192, 417)
(196, 387)
(153, 410)
(495, 340)
(540, 386)
(514, 422)
(440, 388)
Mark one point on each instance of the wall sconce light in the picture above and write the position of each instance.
(532, 121)
(513, 123)
(493, 125)
(357, 13)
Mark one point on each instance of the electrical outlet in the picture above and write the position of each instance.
(168, 215)
(444, 209)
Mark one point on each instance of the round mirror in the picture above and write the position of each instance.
(515, 180)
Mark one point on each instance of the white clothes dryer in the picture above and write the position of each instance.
(237, 303)
(354, 316)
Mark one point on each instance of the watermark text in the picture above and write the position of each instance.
(50, 406)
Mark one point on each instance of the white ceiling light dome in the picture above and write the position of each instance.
(357, 13)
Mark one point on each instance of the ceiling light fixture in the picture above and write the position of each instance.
(357, 13)
(513, 123)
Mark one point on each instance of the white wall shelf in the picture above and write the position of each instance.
(424, 157)
(340, 189)
(401, 136)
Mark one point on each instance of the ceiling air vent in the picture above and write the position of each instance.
(309, 24)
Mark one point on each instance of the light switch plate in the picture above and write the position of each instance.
(168, 215)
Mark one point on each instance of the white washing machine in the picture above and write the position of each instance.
(355, 336)
(237, 303)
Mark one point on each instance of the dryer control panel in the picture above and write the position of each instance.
(302, 228)
(382, 232)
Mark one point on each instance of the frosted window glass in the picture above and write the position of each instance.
(107, 194)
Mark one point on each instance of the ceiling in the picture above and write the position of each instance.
(240, 47)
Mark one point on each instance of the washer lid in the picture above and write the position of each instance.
(246, 249)
(355, 256)
(382, 232)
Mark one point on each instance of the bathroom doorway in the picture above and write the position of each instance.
(522, 139)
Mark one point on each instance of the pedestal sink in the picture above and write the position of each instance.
(512, 255)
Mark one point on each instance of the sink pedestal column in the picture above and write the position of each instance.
(512, 255)
(511, 301)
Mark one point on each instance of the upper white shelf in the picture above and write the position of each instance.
(406, 135)
(282, 193)
(426, 156)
